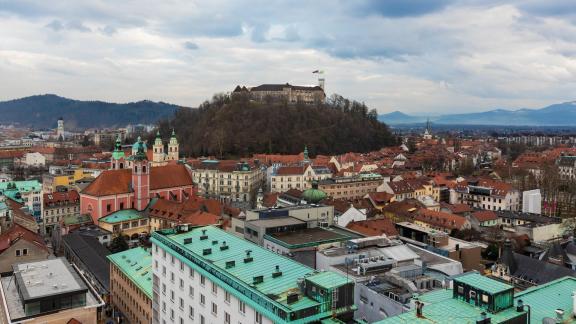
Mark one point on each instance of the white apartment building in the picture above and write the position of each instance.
(206, 275)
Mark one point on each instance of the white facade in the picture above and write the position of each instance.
(182, 295)
(532, 201)
(351, 215)
(34, 159)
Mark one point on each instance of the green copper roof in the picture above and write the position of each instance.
(121, 216)
(328, 279)
(23, 186)
(544, 299)
(440, 307)
(136, 264)
(209, 258)
(488, 285)
(313, 195)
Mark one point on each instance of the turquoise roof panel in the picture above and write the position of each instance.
(136, 264)
(486, 284)
(122, 216)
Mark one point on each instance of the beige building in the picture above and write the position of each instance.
(131, 285)
(18, 245)
(298, 177)
(58, 205)
(232, 180)
(350, 188)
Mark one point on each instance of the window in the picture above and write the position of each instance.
(164, 289)
(171, 276)
(17, 253)
(214, 288)
(202, 321)
(172, 295)
(181, 284)
(108, 207)
(214, 308)
(191, 291)
(485, 298)
(473, 295)
(460, 290)
(171, 314)
(181, 303)
(164, 307)
(191, 273)
(181, 320)
(121, 205)
(227, 297)
(181, 266)
(164, 271)
(202, 300)
(191, 312)
(226, 318)
(257, 318)
(241, 307)
(202, 280)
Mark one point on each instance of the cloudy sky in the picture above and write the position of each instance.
(417, 56)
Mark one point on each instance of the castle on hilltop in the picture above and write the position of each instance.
(277, 92)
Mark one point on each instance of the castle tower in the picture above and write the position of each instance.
(173, 147)
(118, 159)
(60, 129)
(141, 178)
(158, 149)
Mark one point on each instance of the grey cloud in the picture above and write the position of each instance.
(57, 25)
(108, 30)
(190, 45)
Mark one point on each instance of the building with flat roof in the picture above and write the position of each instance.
(439, 242)
(474, 298)
(50, 291)
(350, 188)
(301, 245)
(131, 285)
(206, 275)
(387, 273)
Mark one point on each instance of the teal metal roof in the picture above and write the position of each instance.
(24, 186)
(274, 290)
(440, 307)
(544, 299)
(136, 264)
(328, 279)
(121, 216)
(486, 284)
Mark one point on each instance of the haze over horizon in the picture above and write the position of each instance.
(417, 57)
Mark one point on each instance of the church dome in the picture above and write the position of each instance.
(313, 195)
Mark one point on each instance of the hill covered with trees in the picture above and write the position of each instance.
(236, 126)
(42, 112)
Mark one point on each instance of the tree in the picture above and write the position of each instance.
(491, 252)
(118, 244)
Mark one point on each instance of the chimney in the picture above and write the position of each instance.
(419, 309)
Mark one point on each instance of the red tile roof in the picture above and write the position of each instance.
(111, 182)
(457, 208)
(484, 215)
(440, 219)
(270, 199)
(290, 170)
(61, 198)
(18, 232)
(380, 198)
(374, 227)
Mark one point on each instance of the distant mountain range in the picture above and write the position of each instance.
(42, 112)
(563, 114)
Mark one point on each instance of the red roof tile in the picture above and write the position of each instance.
(440, 219)
(18, 232)
(56, 198)
(111, 182)
(374, 227)
(484, 215)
